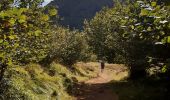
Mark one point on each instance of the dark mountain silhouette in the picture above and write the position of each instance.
(74, 12)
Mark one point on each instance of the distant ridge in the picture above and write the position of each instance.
(74, 12)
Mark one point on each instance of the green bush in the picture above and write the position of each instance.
(68, 47)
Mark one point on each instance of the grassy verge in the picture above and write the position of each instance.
(34, 82)
(85, 71)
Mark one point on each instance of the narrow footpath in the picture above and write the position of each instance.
(99, 88)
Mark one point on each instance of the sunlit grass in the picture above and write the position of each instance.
(34, 82)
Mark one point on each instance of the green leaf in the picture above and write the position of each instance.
(157, 8)
(11, 37)
(53, 12)
(9, 62)
(12, 21)
(1, 55)
(16, 45)
(2, 14)
(166, 39)
(150, 60)
(1, 40)
(132, 27)
(164, 69)
(149, 29)
(45, 17)
(29, 33)
(38, 32)
(162, 33)
(22, 19)
(23, 10)
(5, 43)
(19, 11)
(144, 12)
(153, 4)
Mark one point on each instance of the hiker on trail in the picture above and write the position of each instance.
(102, 66)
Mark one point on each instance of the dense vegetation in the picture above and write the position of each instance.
(28, 35)
(34, 44)
(135, 33)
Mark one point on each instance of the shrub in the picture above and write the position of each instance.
(67, 46)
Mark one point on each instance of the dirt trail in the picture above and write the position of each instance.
(99, 88)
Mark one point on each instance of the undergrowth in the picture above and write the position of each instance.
(140, 90)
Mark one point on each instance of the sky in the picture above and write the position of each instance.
(46, 2)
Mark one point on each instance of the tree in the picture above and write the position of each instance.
(67, 47)
(23, 32)
(136, 27)
(105, 34)
(148, 22)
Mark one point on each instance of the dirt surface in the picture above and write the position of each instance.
(99, 88)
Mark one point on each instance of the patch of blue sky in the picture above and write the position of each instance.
(46, 2)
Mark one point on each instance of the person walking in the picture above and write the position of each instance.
(102, 66)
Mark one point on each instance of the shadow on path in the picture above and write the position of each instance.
(96, 92)
(97, 88)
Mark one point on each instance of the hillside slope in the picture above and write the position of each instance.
(74, 12)
(34, 82)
